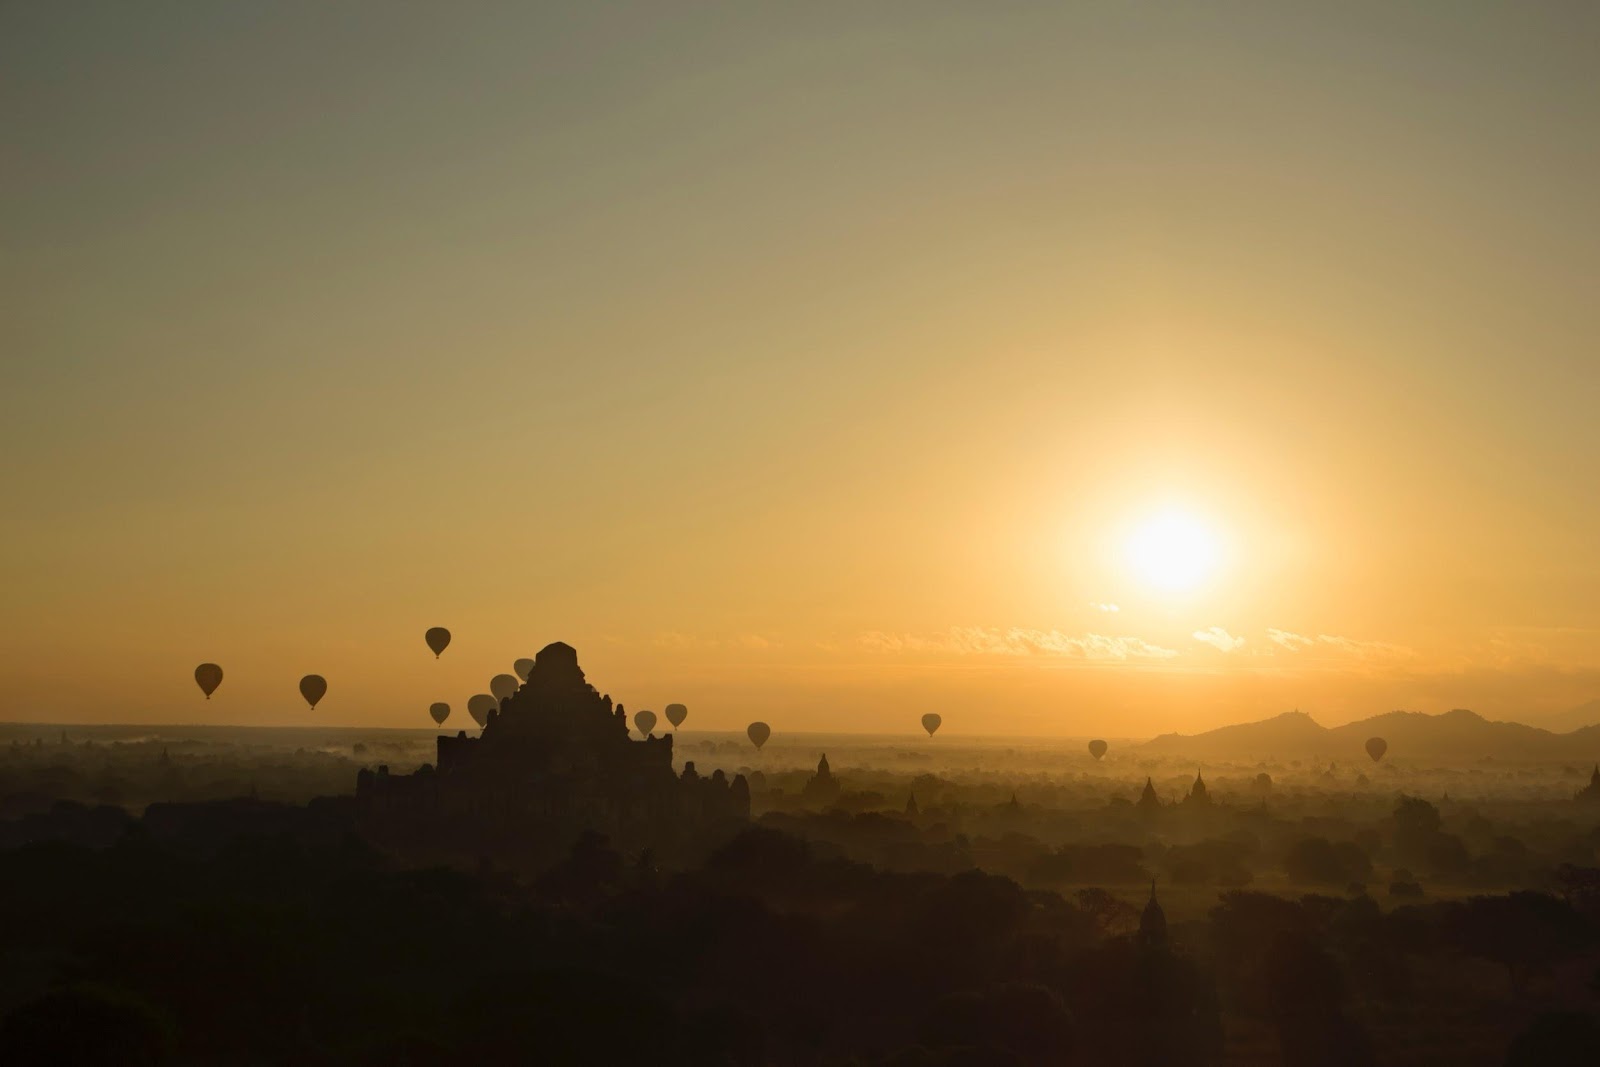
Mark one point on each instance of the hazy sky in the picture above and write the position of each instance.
(808, 362)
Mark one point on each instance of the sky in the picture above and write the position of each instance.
(1065, 369)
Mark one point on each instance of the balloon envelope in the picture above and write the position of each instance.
(1376, 747)
(440, 712)
(503, 685)
(676, 713)
(438, 639)
(644, 722)
(208, 676)
(313, 687)
(1097, 749)
(480, 706)
(931, 721)
(523, 667)
(758, 732)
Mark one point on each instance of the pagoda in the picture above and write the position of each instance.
(554, 760)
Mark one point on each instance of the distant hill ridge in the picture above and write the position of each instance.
(1573, 718)
(1458, 734)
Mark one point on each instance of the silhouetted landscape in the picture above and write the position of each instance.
(831, 533)
(886, 901)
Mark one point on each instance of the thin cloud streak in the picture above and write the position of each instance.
(1218, 638)
(1370, 651)
(1018, 641)
(751, 642)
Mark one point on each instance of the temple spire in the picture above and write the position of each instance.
(1152, 923)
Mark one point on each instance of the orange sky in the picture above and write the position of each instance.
(809, 364)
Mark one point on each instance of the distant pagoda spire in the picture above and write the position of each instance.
(1152, 923)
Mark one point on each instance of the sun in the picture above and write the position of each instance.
(1172, 552)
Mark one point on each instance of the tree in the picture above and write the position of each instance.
(84, 1025)
(1031, 1022)
(1525, 932)
(1416, 814)
(1307, 1005)
(1316, 859)
(1108, 913)
(1243, 926)
(1557, 1039)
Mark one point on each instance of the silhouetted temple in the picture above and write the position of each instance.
(553, 760)
(1592, 791)
(1152, 923)
(1198, 796)
(1148, 801)
(821, 788)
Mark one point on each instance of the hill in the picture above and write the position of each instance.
(1573, 718)
(1455, 736)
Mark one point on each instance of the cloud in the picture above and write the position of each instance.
(1522, 647)
(673, 639)
(1368, 651)
(679, 641)
(1218, 638)
(1293, 642)
(1108, 608)
(1018, 641)
(754, 641)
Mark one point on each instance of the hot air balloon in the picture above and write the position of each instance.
(1097, 749)
(676, 713)
(523, 667)
(438, 639)
(480, 706)
(503, 685)
(208, 676)
(440, 712)
(758, 732)
(1376, 747)
(931, 721)
(644, 722)
(313, 687)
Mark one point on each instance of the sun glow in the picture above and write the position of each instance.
(1172, 552)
